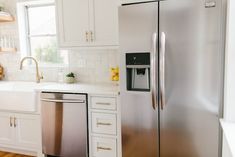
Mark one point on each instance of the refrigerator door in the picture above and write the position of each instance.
(139, 114)
(193, 75)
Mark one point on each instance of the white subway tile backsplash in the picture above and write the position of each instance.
(91, 67)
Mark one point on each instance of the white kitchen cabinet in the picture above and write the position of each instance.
(87, 23)
(27, 130)
(105, 22)
(19, 131)
(6, 133)
(72, 22)
(104, 125)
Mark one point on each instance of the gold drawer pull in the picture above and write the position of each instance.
(15, 122)
(87, 38)
(103, 148)
(103, 103)
(91, 33)
(100, 123)
(11, 122)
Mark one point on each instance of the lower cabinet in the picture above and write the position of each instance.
(7, 133)
(105, 126)
(27, 129)
(20, 131)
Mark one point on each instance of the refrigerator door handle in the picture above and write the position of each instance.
(154, 72)
(162, 69)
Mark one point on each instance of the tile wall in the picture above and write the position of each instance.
(90, 66)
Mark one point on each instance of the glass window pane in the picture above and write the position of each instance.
(44, 49)
(42, 20)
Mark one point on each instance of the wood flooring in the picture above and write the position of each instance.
(6, 154)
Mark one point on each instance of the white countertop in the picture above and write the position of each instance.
(89, 88)
(81, 88)
(229, 132)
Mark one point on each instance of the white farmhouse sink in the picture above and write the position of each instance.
(18, 96)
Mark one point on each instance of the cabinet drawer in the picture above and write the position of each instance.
(104, 147)
(104, 123)
(106, 103)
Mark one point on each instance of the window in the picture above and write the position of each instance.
(38, 33)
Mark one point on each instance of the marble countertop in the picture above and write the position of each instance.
(229, 132)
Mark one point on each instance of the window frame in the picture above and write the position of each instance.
(23, 40)
(27, 27)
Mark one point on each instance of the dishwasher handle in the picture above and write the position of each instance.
(63, 101)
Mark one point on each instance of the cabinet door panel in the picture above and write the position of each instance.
(27, 130)
(72, 22)
(105, 22)
(6, 133)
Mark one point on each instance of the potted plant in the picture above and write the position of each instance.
(70, 78)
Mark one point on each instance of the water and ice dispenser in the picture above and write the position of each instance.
(138, 71)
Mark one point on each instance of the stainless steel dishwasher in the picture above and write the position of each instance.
(64, 125)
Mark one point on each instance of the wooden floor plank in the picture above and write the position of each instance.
(6, 154)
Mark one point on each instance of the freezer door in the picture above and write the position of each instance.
(140, 136)
(193, 75)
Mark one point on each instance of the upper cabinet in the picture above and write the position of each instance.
(87, 23)
(105, 22)
(72, 22)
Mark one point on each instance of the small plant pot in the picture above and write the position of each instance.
(69, 79)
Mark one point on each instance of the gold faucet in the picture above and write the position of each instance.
(38, 76)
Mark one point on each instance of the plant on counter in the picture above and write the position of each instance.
(70, 78)
(70, 75)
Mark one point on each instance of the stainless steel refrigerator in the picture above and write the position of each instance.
(179, 115)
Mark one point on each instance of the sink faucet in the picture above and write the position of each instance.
(38, 76)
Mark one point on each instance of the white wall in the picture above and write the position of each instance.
(229, 99)
(229, 110)
(226, 149)
(89, 65)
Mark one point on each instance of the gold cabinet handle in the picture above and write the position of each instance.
(102, 103)
(15, 122)
(10, 121)
(91, 33)
(101, 123)
(103, 148)
(87, 36)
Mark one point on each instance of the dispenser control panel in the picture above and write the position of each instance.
(138, 71)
